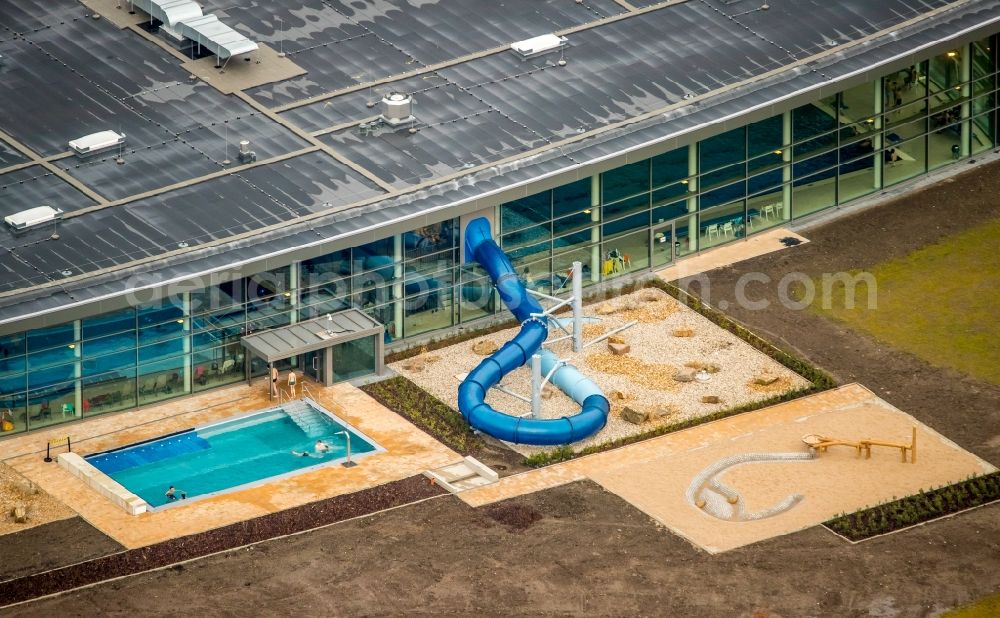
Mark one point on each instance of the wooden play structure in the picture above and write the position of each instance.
(821, 443)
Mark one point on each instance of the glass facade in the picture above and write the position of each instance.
(640, 215)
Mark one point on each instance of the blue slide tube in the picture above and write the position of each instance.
(480, 247)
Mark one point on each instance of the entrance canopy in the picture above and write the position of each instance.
(316, 334)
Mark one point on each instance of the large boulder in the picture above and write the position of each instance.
(618, 396)
(660, 411)
(20, 513)
(413, 364)
(485, 347)
(634, 416)
(685, 374)
(651, 296)
(619, 349)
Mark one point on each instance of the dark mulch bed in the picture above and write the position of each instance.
(255, 530)
(426, 411)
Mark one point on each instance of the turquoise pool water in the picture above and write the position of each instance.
(230, 454)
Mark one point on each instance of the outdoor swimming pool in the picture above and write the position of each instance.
(233, 453)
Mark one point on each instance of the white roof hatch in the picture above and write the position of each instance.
(539, 45)
(96, 142)
(32, 217)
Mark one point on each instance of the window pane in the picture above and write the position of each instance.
(572, 198)
(813, 193)
(477, 293)
(11, 346)
(51, 405)
(624, 207)
(60, 335)
(627, 224)
(857, 107)
(723, 150)
(764, 136)
(216, 366)
(625, 181)
(526, 212)
(670, 167)
(857, 169)
(814, 130)
(904, 160)
(723, 195)
(13, 398)
(108, 323)
(721, 224)
(944, 142)
(944, 73)
(429, 239)
(353, 359)
(814, 119)
(530, 236)
(668, 211)
(625, 253)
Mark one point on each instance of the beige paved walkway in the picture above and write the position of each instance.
(409, 451)
(654, 475)
(760, 244)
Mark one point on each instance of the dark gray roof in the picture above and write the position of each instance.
(514, 120)
(279, 343)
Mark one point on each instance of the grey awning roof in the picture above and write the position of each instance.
(316, 334)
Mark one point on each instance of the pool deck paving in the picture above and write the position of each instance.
(654, 475)
(726, 255)
(408, 451)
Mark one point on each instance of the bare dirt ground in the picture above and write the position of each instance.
(573, 550)
(964, 409)
(590, 553)
(50, 546)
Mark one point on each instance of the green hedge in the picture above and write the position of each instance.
(427, 412)
(918, 508)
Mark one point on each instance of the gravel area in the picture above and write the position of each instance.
(643, 379)
(15, 490)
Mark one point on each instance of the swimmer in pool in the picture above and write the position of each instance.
(321, 448)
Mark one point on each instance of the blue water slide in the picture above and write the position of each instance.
(480, 247)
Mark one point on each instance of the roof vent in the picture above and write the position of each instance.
(536, 46)
(96, 142)
(21, 221)
(246, 155)
(397, 109)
